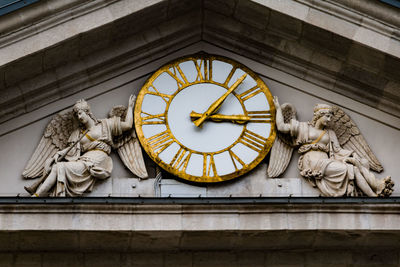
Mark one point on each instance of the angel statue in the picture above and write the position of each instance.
(75, 150)
(334, 156)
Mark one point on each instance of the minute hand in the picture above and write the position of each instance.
(216, 105)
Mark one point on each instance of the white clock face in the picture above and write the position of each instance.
(230, 141)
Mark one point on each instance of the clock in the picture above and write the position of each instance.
(205, 118)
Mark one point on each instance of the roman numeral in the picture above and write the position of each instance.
(253, 140)
(153, 119)
(209, 168)
(181, 159)
(262, 116)
(204, 69)
(159, 142)
(230, 76)
(250, 93)
(164, 97)
(236, 157)
(180, 81)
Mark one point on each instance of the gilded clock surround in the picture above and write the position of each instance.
(154, 145)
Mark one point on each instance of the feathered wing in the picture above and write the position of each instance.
(128, 147)
(55, 138)
(350, 138)
(282, 149)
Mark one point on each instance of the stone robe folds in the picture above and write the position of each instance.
(323, 164)
(87, 162)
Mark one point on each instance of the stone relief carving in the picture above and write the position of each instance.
(74, 150)
(334, 156)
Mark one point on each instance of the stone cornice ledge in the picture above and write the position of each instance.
(200, 217)
(47, 23)
(368, 22)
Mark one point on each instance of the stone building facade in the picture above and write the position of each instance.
(342, 52)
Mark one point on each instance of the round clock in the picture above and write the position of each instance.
(205, 118)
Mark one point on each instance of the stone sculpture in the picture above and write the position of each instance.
(74, 150)
(335, 157)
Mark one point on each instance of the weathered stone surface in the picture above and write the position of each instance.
(63, 259)
(284, 24)
(225, 7)
(252, 14)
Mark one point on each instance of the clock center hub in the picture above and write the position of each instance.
(212, 136)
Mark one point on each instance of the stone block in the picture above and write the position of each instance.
(252, 14)
(10, 94)
(325, 61)
(208, 240)
(6, 259)
(325, 81)
(174, 188)
(155, 241)
(25, 68)
(328, 257)
(28, 260)
(376, 257)
(285, 25)
(225, 24)
(103, 259)
(384, 240)
(372, 39)
(392, 90)
(52, 241)
(290, 67)
(180, 25)
(181, 259)
(338, 239)
(366, 58)
(285, 258)
(365, 77)
(94, 40)
(394, 47)
(297, 50)
(178, 8)
(391, 67)
(8, 241)
(215, 259)
(325, 41)
(145, 259)
(291, 8)
(192, 222)
(44, 82)
(63, 259)
(104, 241)
(250, 258)
(225, 7)
(332, 24)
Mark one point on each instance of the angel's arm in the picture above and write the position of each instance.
(128, 122)
(280, 123)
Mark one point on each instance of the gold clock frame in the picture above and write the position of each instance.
(179, 162)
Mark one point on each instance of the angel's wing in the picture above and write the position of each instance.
(282, 149)
(128, 147)
(55, 138)
(350, 138)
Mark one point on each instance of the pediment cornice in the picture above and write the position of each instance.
(290, 38)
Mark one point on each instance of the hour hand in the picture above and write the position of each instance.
(240, 119)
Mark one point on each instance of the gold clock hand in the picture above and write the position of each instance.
(240, 119)
(216, 105)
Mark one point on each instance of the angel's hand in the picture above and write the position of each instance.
(132, 100)
(353, 161)
(276, 102)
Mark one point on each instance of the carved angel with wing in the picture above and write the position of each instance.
(75, 150)
(334, 156)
